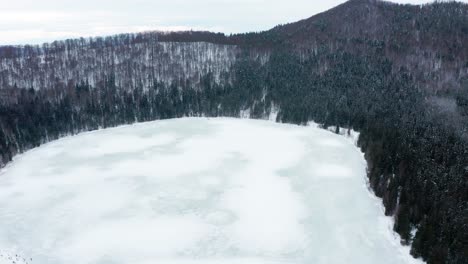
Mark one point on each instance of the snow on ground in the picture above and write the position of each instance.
(195, 191)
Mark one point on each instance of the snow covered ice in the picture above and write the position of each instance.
(195, 191)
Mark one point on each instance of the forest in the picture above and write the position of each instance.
(411, 110)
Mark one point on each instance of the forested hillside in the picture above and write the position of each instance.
(133, 65)
(396, 73)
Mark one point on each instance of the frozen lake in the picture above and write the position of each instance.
(195, 191)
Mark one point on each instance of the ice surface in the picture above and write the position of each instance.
(195, 191)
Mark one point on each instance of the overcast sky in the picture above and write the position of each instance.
(37, 21)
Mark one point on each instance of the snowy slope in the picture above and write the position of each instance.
(195, 191)
(133, 65)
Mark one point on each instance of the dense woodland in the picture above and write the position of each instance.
(403, 84)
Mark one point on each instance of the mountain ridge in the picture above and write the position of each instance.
(363, 26)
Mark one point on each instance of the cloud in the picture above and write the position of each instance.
(7, 17)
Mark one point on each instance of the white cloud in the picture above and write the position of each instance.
(7, 17)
